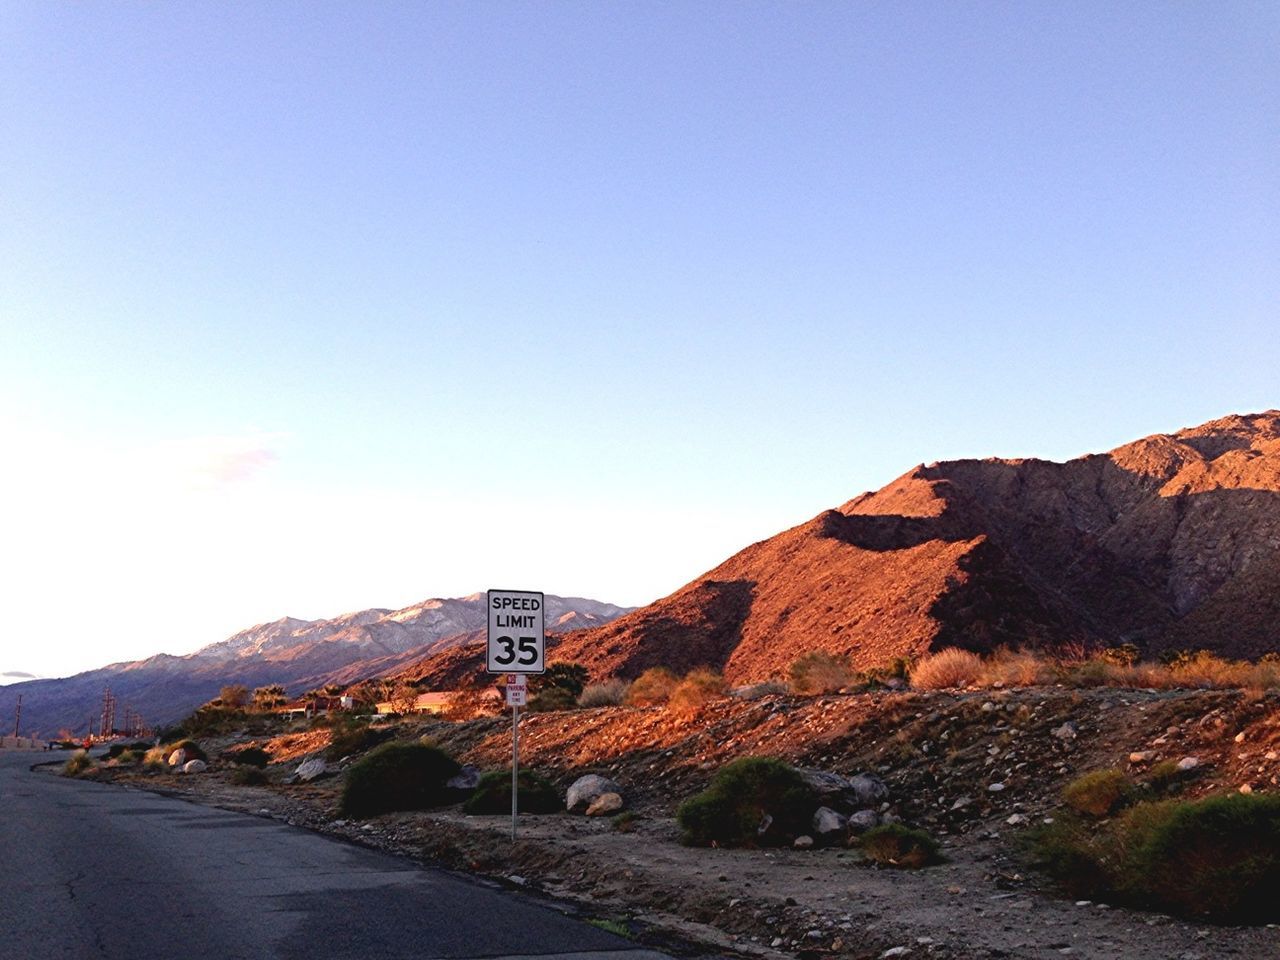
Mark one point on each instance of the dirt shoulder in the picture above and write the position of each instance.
(940, 754)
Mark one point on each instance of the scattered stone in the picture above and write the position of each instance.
(1271, 755)
(195, 766)
(586, 790)
(895, 952)
(1068, 731)
(1246, 788)
(995, 788)
(605, 804)
(1188, 763)
(1239, 738)
(310, 769)
(1016, 820)
(803, 842)
(961, 803)
(1142, 756)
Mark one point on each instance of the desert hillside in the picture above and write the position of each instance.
(1169, 542)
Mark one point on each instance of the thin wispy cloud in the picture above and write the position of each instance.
(18, 675)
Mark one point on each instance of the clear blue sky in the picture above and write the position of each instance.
(660, 278)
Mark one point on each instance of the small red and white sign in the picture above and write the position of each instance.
(517, 689)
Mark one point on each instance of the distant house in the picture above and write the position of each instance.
(435, 702)
(316, 706)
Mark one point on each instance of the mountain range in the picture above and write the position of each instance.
(300, 654)
(1169, 542)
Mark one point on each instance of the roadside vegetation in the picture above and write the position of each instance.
(754, 801)
(1216, 858)
(492, 795)
(398, 776)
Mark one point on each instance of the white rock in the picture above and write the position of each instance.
(178, 757)
(1142, 756)
(195, 766)
(585, 790)
(828, 824)
(310, 769)
(995, 788)
(803, 842)
(1188, 763)
(605, 804)
(895, 952)
(1016, 820)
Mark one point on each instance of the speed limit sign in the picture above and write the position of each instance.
(517, 643)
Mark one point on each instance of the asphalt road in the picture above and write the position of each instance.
(94, 871)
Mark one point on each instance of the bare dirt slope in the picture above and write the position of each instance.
(1169, 542)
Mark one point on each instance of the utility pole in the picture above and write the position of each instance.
(17, 717)
(108, 725)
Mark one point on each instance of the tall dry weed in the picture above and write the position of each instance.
(947, 669)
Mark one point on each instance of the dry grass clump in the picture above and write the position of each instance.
(652, 687)
(819, 672)
(894, 845)
(80, 762)
(947, 669)
(1114, 667)
(696, 689)
(1016, 668)
(607, 693)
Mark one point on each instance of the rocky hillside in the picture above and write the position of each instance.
(300, 654)
(1172, 541)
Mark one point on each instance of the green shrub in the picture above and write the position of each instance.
(624, 822)
(397, 776)
(819, 672)
(572, 677)
(652, 687)
(250, 757)
(1214, 859)
(1218, 858)
(248, 776)
(352, 740)
(492, 795)
(1166, 778)
(732, 811)
(553, 698)
(117, 750)
(78, 763)
(1099, 793)
(893, 845)
(131, 756)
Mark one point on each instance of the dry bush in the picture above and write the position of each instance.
(607, 693)
(819, 672)
(1017, 668)
(652, 687)
(471, 703)
(756, 691)
(697, 688)
(947, 669)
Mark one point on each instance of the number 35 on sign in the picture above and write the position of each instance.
(517, 642)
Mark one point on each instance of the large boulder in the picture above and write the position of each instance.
(845, 794)
(178, 757)
(829, 826)
(605, 804)
(467, 779)
(587, 789)
(863, 820)
(195, 766)
(868, 790)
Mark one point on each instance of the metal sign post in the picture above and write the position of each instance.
(517, 647)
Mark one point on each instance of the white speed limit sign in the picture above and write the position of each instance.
(517, 643)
